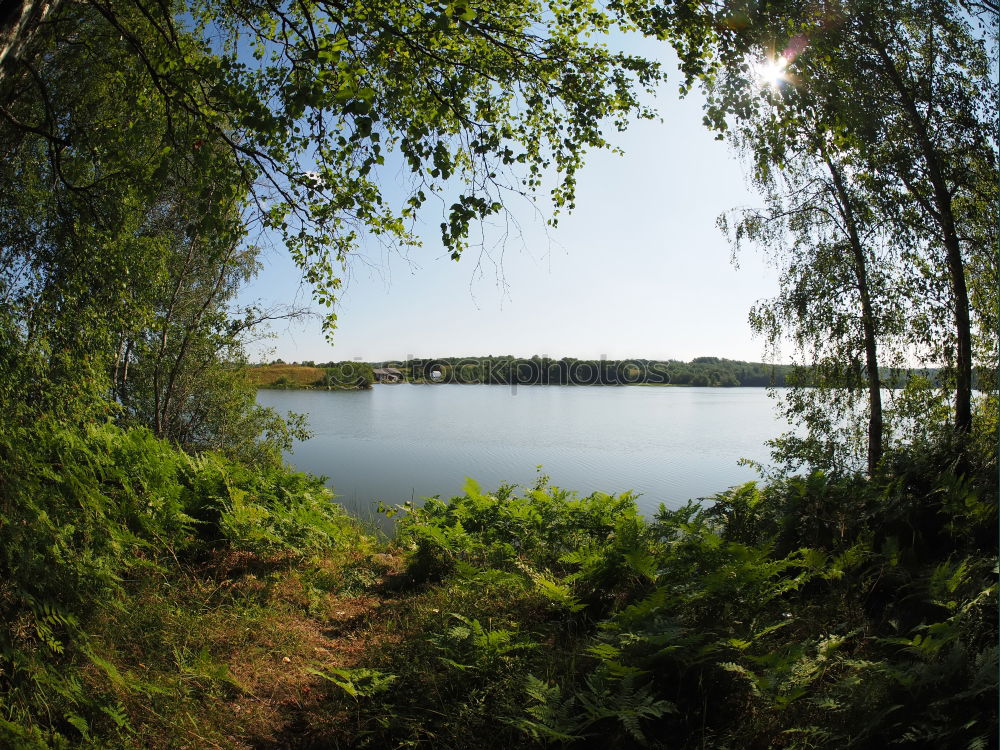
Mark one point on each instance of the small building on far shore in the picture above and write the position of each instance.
(387, 375)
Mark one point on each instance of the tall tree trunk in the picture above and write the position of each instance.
(944, 216)
(860, 267)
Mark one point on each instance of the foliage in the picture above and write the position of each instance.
(866, 129)
(358, 683)
(701, 372)
(315, 103)
(839, 302)
(98, 510)
(348, 375)
(150, 334)
(158, 563)
(815, 611)
(501, 529)
(182, 371)
(812, 612)
(142, 144)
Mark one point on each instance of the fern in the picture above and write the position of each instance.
(624, 701)
(550, 716)
(358, 682)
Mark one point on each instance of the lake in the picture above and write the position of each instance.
(401, 442)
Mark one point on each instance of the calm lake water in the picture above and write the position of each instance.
(400, 442)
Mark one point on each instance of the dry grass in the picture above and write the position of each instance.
(298, 374)
(265, 630)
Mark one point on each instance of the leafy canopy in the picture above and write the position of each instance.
(325, 104)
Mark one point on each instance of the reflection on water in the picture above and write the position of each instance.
(401, 442)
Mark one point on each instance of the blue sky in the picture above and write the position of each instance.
(639, 269)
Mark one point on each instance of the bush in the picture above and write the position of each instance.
(814, 611)
(503, 529)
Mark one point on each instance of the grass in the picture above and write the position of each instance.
(345, 649)
(233, 652)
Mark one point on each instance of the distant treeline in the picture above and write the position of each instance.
(507, 370)
(715, 372)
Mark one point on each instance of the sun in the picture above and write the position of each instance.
(770, 73)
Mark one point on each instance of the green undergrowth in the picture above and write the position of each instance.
(132, 575)
(813, 612)
(154, 599)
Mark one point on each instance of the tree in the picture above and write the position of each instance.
(922, 133)
(840, 297)
(182, 371)
(155, 137)
(68, 206)
(932, 136)
(120, 261)
(316, 100)
(348, 375)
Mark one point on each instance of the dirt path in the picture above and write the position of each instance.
(285, 700)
